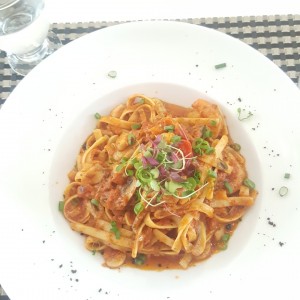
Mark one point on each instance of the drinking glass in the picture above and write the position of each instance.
(25, 35)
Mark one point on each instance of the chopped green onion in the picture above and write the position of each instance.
(213, 122)
(112, 74)
(144, 176)
(236, 147)
(283, 191)
(148, 153)
(161, 156)
(172, 186)
(223, 246)
(119, 167)
(175, 139)
(225, 237)
(287, 175)
(211, 173)
(97, 116)
(137, 165)
(95, 202)
(139, 207)
(134, 160)
(169, 128)
(140, 259)
(154, 185)
(61, 205)
(220, 66)
(115, 230)
(222, 165)
(136, 126)
(190, 184)
(131, 139)
(122, 164)
(129, 172)
(209, 150)
(197, 176)
(249, 183)
(206, 133)
(200, 146)
(228, 187)
(155, 173)
(124, 160)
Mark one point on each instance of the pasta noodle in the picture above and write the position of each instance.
(157, 185)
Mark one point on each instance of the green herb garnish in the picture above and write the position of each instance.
(131, 139)
(169, 128)
(129, 172)
(220, 66)
(154, 185)
(211, 173)
(95, 202)
(97, 116)
(114, 229)
(228, 187)
(122, 164)
(225, 237)
(139, 207)
(200, 146)
(136, 126)
(206, 133)
(61, 205)
(172, 186)
(175, 139)
(242, 115)
(143, 175)
(197, 176)
(140, 259)
(249, 183)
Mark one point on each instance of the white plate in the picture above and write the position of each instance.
(47, 117)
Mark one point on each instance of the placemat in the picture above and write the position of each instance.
(276, 36)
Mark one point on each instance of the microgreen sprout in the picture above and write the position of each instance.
(243, 115)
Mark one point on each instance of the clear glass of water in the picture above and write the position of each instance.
(25, 35)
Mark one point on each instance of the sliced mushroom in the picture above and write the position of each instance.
(113, 258)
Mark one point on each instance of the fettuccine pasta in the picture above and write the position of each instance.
(157, 185)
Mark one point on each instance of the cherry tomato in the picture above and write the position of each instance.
(186, 147)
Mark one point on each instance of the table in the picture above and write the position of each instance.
(275, 36)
